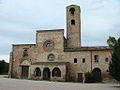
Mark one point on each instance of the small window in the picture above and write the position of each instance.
(72, 22)
(83, 60)
(106, 59)
(96, 58)
(75, 60)
(51, 57)
(107, 70)
(72, 10)
(25, 53)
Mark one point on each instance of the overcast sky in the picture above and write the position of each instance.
(19, 20)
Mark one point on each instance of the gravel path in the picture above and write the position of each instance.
(17, 84)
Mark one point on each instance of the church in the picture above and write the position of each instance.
(57, 58)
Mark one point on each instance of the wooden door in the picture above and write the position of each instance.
(25, 72)
(80, 77)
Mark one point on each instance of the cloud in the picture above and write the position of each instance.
(100, 23)
(4, 57)
(19, 20)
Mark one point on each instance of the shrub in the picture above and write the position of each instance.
(89, 77)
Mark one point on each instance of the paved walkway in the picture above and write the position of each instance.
(17, 84)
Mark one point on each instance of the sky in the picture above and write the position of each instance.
(19, 20)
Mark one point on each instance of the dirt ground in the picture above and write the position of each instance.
(18, 84)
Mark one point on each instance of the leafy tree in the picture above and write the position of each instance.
(114, 66)
(2, 63)
(4, 67)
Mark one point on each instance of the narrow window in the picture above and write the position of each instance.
(25, 53)
(83, 60)
(72, 10)
(75, 60)
(96, 58)
(106, 59)
(107, 70)
(72, 22)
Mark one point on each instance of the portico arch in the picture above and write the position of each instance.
(46, 74)
(56, 72)
(37, 71)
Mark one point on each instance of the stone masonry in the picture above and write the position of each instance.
(55, 57)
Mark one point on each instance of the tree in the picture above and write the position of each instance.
(2, 63)
(114, 66)
(3, 67)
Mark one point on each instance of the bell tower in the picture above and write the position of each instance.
(73, 26)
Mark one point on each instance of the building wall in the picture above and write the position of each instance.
(88, 66)
(78, 67)
(102, 64)
(73, 69)
(17, 58)
(37, 53)
(57, 37)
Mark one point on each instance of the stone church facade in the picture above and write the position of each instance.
(55, 57)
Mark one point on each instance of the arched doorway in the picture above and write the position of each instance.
(46, 74)
(97, 75)
(37, 72)
(56, 72)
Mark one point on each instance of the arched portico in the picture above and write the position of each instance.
(49, 71)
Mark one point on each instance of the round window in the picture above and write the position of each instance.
(51, 57)
(48, 45)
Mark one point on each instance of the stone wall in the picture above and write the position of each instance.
(89, 64)
(73, 31)
(57, 37)
(51, 66)
(17, 58)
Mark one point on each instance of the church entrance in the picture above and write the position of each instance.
(97, 75)
(46, 74)
(25, 72)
